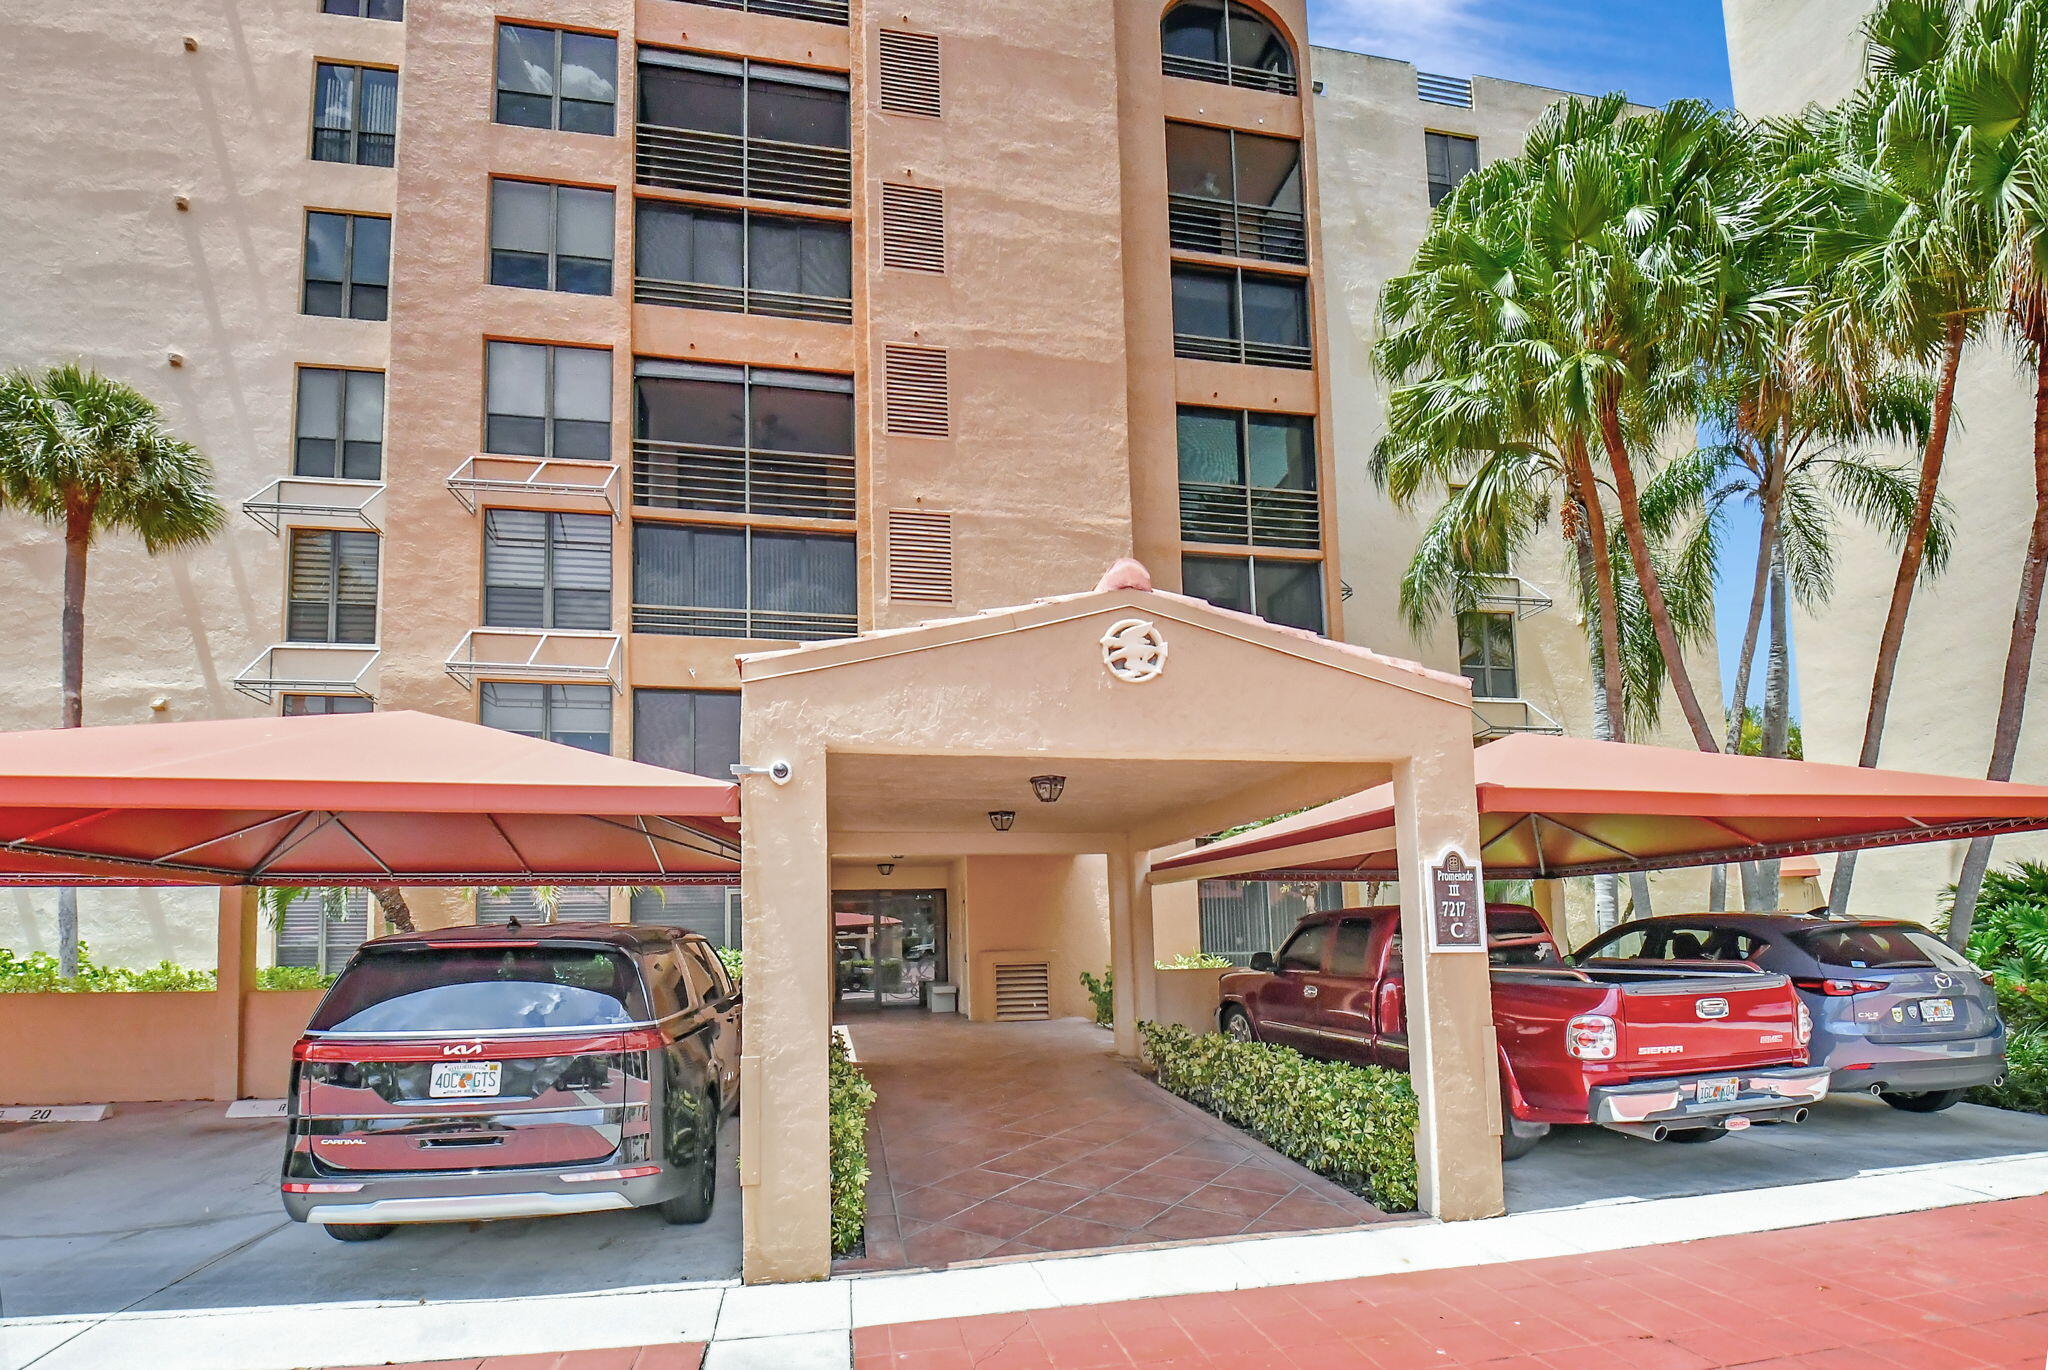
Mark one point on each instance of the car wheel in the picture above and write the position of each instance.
(1931, 1101)
(1237, 1026)
(359, 1232)
(693, 1205)
(1697, 1135)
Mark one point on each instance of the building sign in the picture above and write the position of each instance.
(1134, 650)
(1457, 911)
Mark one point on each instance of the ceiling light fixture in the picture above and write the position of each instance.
(885, 866)
(1048, 788)
(1001, 819)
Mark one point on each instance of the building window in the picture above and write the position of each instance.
(340, 424)
(298, 706)
(1451, 159)
(547, 570)
(553, 78)
(549, 237)
(355, 114)
(743, 262)
(1486, 654)
(574, 715)
(824, 11)
(733, 127)
(1243, 917)
(365, 9)
(552, 402)
(1240, 316)
(1234, 194)
(742, 440)
(712, 911)
(687, 730)
(1284, 592)
(742, 582)
(1225, 42)
(321, 929)
(1248, 478)
(544, 904)
(348, 266)
(333, 587)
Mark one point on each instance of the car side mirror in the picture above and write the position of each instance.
(1262, 960)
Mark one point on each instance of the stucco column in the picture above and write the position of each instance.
(1130, 950)
(786, 870)
(1450, 994)
(234, 981)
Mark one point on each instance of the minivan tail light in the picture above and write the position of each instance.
(306, 1187)
(642, 1039)
(631, 1172)
(1838, 988)
(1591, 1037)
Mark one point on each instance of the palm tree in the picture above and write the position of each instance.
(93, 455)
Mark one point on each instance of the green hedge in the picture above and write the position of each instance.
(38, 973)
(1351, 1124)
(851, 1096)
(2026, 1074)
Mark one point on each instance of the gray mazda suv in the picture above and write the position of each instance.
(1896, 1012)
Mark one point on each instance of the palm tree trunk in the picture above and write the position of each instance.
(2019, 656)
(1646, 574)
(1738, 705)
(1760, 878)
(1911, 557)
(77, 541)
(391, 903)
(1606, 900)
(1608, 677)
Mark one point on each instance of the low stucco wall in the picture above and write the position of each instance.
(271, 1022)
(143, 1048)
(1188, 997)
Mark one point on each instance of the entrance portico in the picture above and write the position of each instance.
(1168, 719)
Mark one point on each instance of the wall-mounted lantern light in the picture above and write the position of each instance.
(1048, 787)
(1001, 819)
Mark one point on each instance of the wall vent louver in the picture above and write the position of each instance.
(910, 73)
(913, 228)
(917, 402)
(920, 556)
(1023, 991)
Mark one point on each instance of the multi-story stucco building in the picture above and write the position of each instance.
(1784, 55)
(551, 355)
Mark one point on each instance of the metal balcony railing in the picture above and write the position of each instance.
(730, 164)
(740, 299)
(1196, 224)
(1229, 74)
(1509, 591)
(544, 654)
(313, 668)
(1250, 515)
(1203, 348)
(1499, 717)
(824, 11)
(315, 502)
(705, 620)
(732, 480)
(537, 482)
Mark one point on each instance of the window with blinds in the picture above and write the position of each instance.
(687, 730)
(322, 931)
(545, 570)
(743, 440)
(910, 73)
(711, 911)
(546, 401)
(708, 581)
(573, 715)
(743, 262)
(913, 228)
(332, 594)
(920, 556)
(530, 904)
(355, 114)
(917, 400)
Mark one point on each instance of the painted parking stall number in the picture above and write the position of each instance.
(1457, 913)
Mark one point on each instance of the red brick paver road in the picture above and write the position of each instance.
(1954, 1289)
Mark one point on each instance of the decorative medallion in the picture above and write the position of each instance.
(1134, 650)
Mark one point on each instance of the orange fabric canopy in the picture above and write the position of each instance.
(375, 798)
(1551, 806)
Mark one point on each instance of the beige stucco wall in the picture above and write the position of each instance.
(1784, 54)
(1052, 903)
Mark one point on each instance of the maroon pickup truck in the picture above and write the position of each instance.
(1672, 1054)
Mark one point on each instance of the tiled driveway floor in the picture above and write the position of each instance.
(1014, 1139)
(1952, 1289)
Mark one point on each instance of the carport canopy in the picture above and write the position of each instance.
(1557, 806)
(349, 799)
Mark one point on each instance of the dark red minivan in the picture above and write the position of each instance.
(513, 1072)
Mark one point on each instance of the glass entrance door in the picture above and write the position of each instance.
(890, 944)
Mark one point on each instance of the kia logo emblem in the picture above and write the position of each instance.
(1712, 1008)
(465, 1049)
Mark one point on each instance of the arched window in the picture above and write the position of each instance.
(1226, 42)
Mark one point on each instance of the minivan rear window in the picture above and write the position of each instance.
(483, 989)
(1879, 948)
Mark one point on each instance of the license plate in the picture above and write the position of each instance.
(1720, 1091)
(1937, 1010)
(464, 1079)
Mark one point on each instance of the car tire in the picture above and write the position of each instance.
(1237, 1026)
(360, 1232)
(694, 1204)
(1930, 1101)
(1696, 1135)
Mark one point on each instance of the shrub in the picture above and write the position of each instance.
(850, 1097)
(2026, 1075)
(1352, 1124)
(38, 973)
(293, 977)
(2009, 937)
(733, 961)
(1101, 993)
(1196, 960)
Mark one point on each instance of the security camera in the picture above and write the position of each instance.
(779, 771)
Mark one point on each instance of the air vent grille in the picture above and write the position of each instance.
(920, 556)
(910, 73)
(913, 228)
(918, 403)
(1023, 991)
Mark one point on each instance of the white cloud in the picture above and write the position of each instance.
(1453, 37)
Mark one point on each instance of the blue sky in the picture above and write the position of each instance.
(1655, 50)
